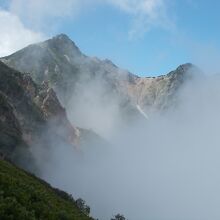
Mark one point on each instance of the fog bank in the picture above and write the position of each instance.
(166, 167)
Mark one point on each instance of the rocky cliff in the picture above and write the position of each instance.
(29, 115)
(60, 62)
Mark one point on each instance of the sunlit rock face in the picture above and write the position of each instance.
(159, 92)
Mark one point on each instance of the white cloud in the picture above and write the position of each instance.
(14, 35)
(25, 20)
(148, 7)
(144, 14)
(43, 12)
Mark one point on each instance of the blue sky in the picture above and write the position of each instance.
(164, 35)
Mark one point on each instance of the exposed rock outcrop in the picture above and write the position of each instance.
(27, 112)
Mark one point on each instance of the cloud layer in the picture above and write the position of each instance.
(26, 21)
(166, 168)
(145, 14)
(14, 35)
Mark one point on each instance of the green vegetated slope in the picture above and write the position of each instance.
(25, 197)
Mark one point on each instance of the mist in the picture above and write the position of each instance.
(94, 106)
(163, 167)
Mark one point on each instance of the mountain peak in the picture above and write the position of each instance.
(62, 36)
(185, 69)
(61, 39)
(63, 44)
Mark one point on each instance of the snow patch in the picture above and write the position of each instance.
(142, 112)
(68, 59)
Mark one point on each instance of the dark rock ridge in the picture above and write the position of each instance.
(10, 130)
(30, 115)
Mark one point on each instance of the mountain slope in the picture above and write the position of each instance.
(89, 88)
(159, 92)
(61, 63)
(10, 130)
(25, 197)
(30, 115)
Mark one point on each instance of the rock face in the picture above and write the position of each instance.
(48, 61)
(89, 88)
(10, 130)
(60, 62)
(158, 92)
(27, 112)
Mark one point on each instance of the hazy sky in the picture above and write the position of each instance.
(147, 37)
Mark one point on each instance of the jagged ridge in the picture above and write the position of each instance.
(77, 78)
